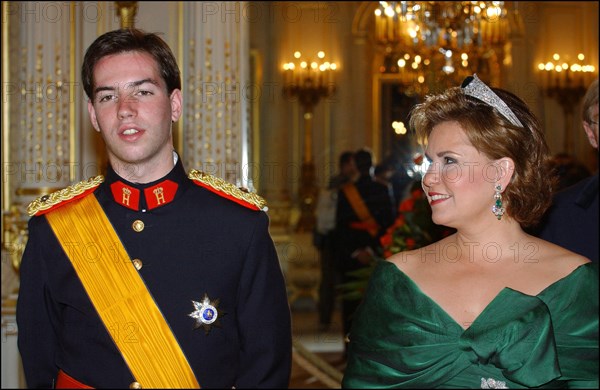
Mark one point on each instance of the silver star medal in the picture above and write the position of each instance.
(206, 314)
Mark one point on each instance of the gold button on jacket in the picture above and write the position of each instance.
(137, 225)
(137, 263)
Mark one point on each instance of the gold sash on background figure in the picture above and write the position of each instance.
(120, 297)
(367, 223)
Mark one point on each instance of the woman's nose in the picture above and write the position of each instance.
(432, 175)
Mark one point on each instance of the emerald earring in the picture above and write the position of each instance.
(497, 208)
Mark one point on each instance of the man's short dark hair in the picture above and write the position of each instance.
(363, 160)
(130, 40)
(345, 158)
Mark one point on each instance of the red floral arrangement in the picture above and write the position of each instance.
(412, 229)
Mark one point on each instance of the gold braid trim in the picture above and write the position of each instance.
(48, 201)
(228, 188)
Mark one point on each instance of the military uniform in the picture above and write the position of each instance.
(188, 239)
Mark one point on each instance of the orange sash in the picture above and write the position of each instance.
(367, 223)
(120, 296)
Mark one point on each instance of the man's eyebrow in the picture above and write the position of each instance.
(133, 84)
(144, 81)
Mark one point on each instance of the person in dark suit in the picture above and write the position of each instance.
(572, 220)
(325, 236)
(357, 231)
(149, 276)
(568, 170)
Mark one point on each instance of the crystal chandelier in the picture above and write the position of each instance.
(435, 44)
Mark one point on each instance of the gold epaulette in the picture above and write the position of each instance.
(45, 203)
(228, 190)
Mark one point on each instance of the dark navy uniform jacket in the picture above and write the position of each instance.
(197, 243)
(572, 221)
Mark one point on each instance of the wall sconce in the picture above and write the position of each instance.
(566, 82)
(309, 82)
(126, 11)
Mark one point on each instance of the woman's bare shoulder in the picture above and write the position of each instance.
(551, 263)
(417, 260)
(558, 256)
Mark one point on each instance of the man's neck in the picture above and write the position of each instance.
(145, 173)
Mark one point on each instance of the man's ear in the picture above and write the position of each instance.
(93, 119)
(176, 102)
(589, 131)
(506, 170)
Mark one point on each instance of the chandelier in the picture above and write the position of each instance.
(436, 44)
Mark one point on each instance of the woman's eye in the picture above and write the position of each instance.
(449, 160)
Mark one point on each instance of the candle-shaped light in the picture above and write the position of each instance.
(558, 72)
(333, 67)
(581, 76)
(549, 67)
(389, 18)
(295, 70)
(378, 25)
(575, 70)
(542, 71)
(286, 74)
(320, 68)
(314, 74)
(291, 67)
(303, 74)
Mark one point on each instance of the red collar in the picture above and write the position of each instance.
(158, 195)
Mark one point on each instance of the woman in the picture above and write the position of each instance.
(489, 306)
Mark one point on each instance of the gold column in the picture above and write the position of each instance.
(6, 157)
(72, 85)
(11, 226)
(215, 73)
(40, 157)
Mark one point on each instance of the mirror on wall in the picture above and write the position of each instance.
(399, 151)
(395, 103)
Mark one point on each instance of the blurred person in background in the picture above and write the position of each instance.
(572, 221)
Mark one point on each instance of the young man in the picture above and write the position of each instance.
(149, 277)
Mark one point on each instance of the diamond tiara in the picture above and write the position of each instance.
(473, 86)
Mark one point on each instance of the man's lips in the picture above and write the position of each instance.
(130, 133)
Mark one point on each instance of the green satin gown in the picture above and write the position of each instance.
(400, 338)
